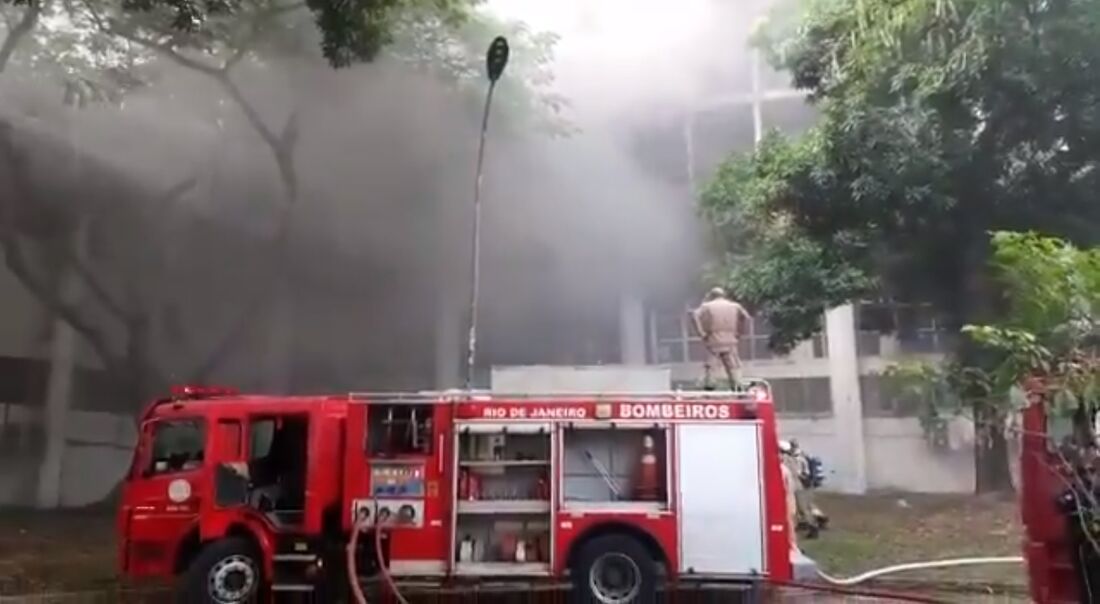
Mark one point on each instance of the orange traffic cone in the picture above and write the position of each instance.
(648, 486)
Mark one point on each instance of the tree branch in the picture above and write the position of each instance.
(20, 31)
(164, 49)
(13, 169)
(254, 31)
(98, 290)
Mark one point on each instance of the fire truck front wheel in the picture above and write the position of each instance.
(614, 569)
(225, 572)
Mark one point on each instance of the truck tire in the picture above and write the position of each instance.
(613, 569)
(227, 571)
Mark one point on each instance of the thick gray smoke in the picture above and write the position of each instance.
(380, 240)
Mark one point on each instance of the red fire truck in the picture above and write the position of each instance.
(244, 498)
(1063, 565)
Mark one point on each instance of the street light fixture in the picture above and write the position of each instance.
(495, 61)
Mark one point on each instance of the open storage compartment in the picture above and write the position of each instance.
(503, 495)
(612, 467)
(502, 544)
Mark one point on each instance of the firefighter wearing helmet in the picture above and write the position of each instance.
(806, 475)
(718, 321)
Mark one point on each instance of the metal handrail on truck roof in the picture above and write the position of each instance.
(458, 395)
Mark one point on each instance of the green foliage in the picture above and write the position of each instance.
(1052, 287)
(350, 31)
(772, 264)
(64, 45)
(98, 47)
(940, 122)
(455, 52)
(929, 385)
(447, 39)
(1050, 324)
(1048, 328)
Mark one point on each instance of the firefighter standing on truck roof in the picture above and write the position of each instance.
(718, 323)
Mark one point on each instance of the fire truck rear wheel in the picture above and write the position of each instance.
(225, 572)
(614, 569)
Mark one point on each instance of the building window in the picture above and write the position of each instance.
(917, 327)
(716, 134)
(661, 149)
(792, 116)
(819, 342)
(883, 399)
(872, 320)
(673, 340)
(23, 380)
(921, 331)
(802, 396)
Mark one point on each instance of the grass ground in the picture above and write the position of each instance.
(56, 552)
(75, 551)
(874, 531)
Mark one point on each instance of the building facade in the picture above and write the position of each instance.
(829, 391)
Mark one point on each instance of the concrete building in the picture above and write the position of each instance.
(829, 390)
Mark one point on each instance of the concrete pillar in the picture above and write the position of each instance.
(59, 390)
(453, 224)
(279, 332)
(632, 330)
(448, 339)
(851, 467)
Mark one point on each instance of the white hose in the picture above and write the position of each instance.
(919, 566)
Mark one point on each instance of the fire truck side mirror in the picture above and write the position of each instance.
(144, 449)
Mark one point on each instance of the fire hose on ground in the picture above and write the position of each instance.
(852, 591)
(845, 585)
(898, 568)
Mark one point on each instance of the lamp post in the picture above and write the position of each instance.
(495, 60)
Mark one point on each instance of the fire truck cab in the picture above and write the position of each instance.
(240, 498)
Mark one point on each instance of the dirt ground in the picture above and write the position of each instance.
(75, 550)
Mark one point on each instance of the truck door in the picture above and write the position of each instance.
(230, 484)
(721, 520)
(278, 450)
(162, 496)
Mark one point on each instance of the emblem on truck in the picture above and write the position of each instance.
(179, 490)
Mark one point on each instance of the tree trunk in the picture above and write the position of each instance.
(59, 389)
(992, 473)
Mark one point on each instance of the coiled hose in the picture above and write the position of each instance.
(353, 572)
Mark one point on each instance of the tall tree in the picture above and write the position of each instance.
(940, 121)
(448, 38)
(95, 47)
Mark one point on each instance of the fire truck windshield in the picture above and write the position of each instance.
(177, 445)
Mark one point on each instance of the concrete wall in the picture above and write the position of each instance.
(861, 451)
(564, 380)
(96, 453)
(896, 454)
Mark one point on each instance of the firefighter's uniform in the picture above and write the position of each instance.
(808, 515)
(790, 484)
(718, 321)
